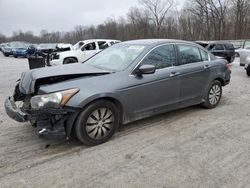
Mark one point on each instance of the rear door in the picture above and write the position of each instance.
(194, 67)
(219, 50)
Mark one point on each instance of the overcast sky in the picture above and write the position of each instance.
(58, 15)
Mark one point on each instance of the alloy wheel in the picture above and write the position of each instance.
(100, 123)
(214, 94)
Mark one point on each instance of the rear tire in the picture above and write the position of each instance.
(213, 95)
(97, 123)
(248, 70)
(229, 59)
(69, 61)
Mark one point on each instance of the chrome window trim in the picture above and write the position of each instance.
(209, 58)
(157, 70)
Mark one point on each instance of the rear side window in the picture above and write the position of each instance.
(219, 47)
(204, 55)
(229, 46)
(188, 54)
(102, 45)
(161, 57)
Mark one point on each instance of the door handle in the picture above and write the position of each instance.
(173, 74)
(207, 66)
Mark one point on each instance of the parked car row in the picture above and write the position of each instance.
(24, 49)
(58, 54)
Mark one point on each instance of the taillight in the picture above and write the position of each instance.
(229, 66)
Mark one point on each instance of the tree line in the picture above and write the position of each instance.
(196, 20)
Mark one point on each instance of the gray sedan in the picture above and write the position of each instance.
(124, 83)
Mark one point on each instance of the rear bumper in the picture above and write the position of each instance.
(20, 54)
(227, 77)
(7, 53)
(246, 66)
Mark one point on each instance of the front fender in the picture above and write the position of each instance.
(81, 101)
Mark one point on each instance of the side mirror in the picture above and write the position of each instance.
(145, 69)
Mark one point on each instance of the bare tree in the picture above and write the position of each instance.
(241, 10)
(158, 10)
(197, 20)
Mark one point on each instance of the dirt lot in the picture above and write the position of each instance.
(192, 147)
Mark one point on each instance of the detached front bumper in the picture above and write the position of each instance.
(49, 123)
(14, 112)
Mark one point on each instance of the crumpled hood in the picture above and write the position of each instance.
(30, 78)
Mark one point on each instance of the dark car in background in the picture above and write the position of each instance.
(124, 83)
(220, 49)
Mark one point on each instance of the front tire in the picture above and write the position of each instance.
(97, 123)
(213, 95)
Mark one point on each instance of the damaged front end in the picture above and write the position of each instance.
(48, 111)
(50, 117)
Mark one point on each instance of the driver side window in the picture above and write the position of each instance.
(161, 57)
(90, 46)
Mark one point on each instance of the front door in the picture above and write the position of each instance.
(152, 93)
(87, 51)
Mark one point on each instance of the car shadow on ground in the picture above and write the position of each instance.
(169, 117)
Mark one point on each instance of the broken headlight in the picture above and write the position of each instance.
(52, 100)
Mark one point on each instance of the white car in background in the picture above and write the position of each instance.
(81, 51)
(243, 52)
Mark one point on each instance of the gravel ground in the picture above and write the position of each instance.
(192, 147)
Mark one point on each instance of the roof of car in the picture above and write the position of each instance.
(94, 40)
(156, 41)
(220, 42)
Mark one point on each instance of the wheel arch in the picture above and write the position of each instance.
(115, 101)
(221, 80)
(73, 57)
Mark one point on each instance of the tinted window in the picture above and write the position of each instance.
(102, 45)
(219, 47)
(204, 55)
(161, 57)
(188, 54)
(229, 46)
(90, 46)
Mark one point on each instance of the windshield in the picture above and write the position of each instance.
(78, 45)
(18, 45)
(117, 57)
(46, 46)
